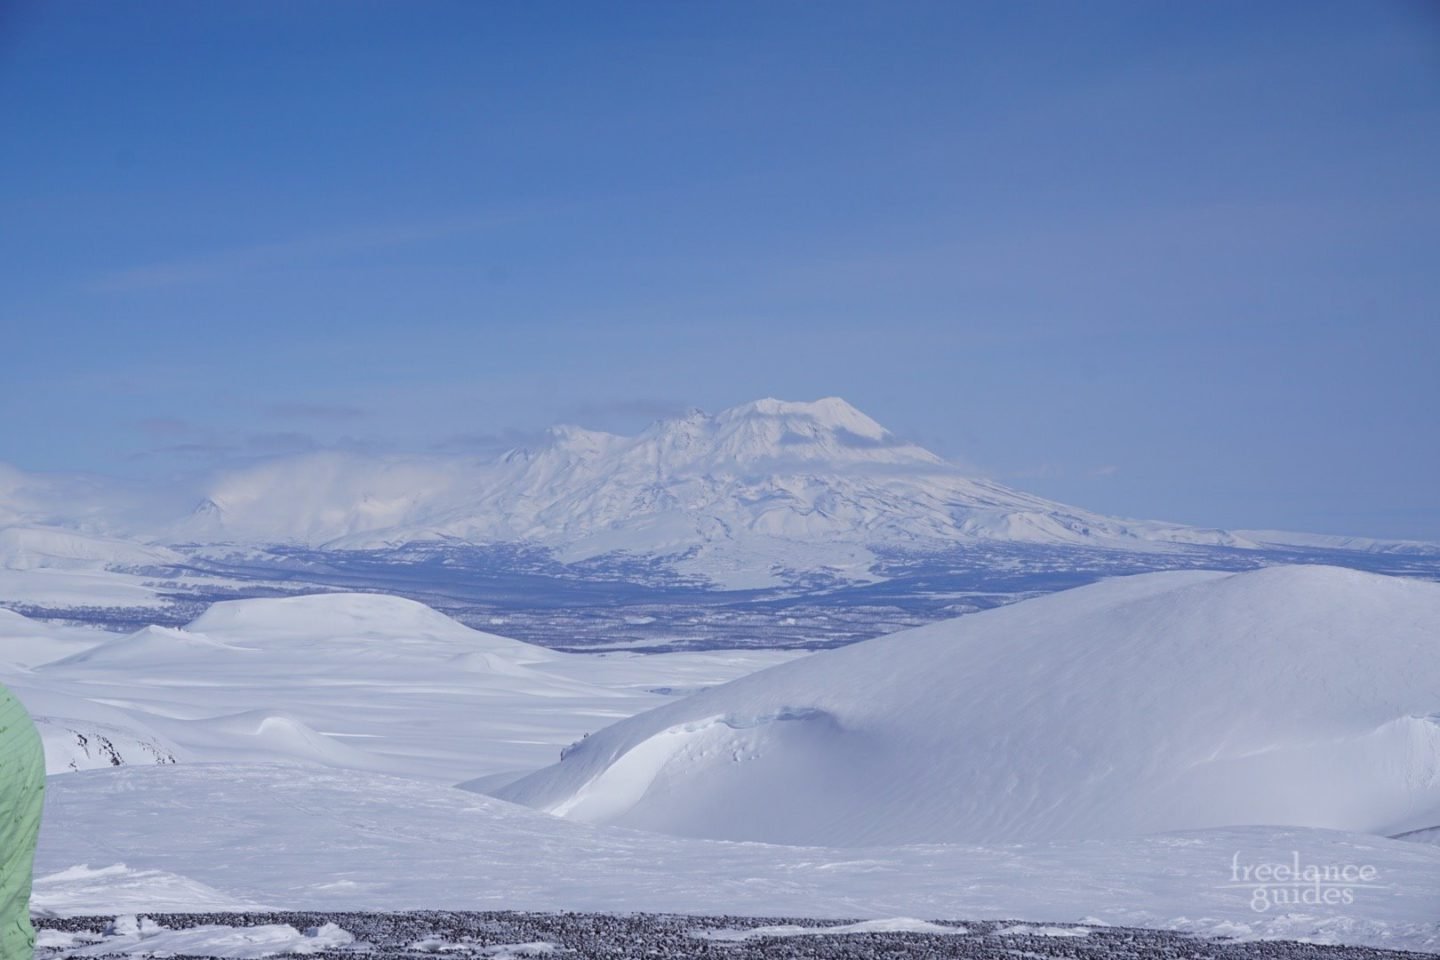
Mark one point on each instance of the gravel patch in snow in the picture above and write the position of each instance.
(607, 936)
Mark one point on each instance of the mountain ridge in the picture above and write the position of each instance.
(763, 494)
(734, 495)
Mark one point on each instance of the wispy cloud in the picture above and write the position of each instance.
(226, 264)
(326, 412)
(192, 451)
(488, 443)
(1055, 471)
(228, 451)
(284, 442)
(605, 414)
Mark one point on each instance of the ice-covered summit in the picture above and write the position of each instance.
(740, 495)
(763, 433)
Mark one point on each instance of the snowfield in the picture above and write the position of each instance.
(1128, 753)
(192, 837)
(1306, 696)
(357, 681)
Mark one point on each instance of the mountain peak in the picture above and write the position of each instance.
(759, 480)
(581, 438)
(770, 431)
(831, 413)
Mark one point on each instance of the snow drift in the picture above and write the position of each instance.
(235, 836)
(1303, 696)
(28, 643)
(359, 681)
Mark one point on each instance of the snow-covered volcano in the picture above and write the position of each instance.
(758, 488)
(1304, 696)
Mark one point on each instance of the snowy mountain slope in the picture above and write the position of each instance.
(78, 733)
(768, 493)
(84, 734)
(1320, 541)
(61, 589)
(29, 643)
(765, 484)
(323, 496)
(1290, 695)
(63, 566)
(75, 543)
(189, 836)
(36, 547)
(359, 681)
(50, 499)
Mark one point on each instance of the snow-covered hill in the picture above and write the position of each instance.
(58, 567)
(743, 495)
(27, 643)
(359, 681)
(28, 547)
(259, 749)
(1305, 696)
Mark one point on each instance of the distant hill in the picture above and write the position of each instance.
(1299, 696)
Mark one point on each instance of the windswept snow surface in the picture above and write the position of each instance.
(125, 889)
(28, 643)
(303, 838)
(359, 681)
(316, 741)
(58, 567)
(70, 542)
(1305, 696)
(32, 547)
(79, 733)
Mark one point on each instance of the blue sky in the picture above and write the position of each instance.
(1173, 260)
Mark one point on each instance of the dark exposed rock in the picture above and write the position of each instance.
(608, 936)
